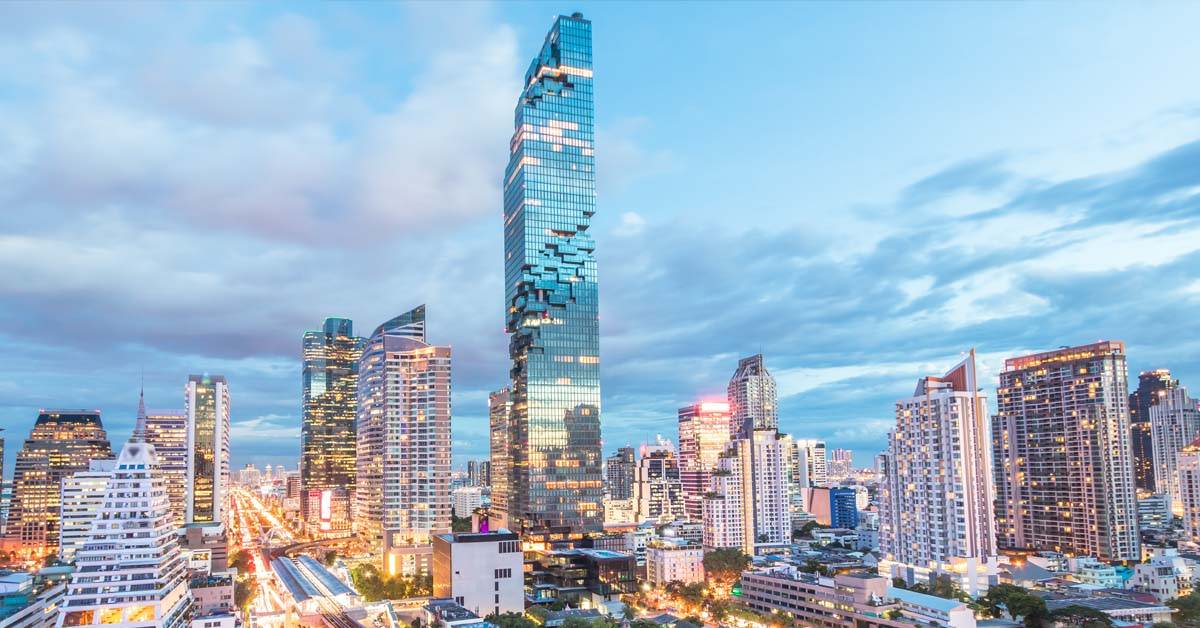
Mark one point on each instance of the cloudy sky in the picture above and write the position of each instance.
(860, 192)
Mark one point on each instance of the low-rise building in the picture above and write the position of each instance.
(443, 612)
(1120, 608)
(481, 571)
(212, 594)
(574, 575)
(28, 601)
(670, 559)
(854, 601)
(1166, 575)
(1088, 570)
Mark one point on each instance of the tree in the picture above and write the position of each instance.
(1187, 609)
(244, 592)
(460, 524)
(1018, 602)
(240, 561)
(1078, 616)
(511, 620)
(725, 565)
(805, 531)
(330, 558)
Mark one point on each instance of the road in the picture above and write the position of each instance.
(250, 518)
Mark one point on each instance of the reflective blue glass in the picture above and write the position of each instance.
(550, 289)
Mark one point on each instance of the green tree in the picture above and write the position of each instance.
(460, 524)
(724, 566)
(330, 557)
(511, 620)
(805, 531)
(1019, 603)
(1077, 616)
(1187, 609)
(244, 592)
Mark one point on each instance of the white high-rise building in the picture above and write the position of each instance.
(748, 502)
(82, 496)
(936, 496)
(131, 572)
(207, 399)
(1174, 423)
(703, 437)
(1187, 468)
(466, 499)
(657, 491)
(403, 484)
(811, 454)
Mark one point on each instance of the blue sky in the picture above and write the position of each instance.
(859, 191)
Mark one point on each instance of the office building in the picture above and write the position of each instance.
(619, 471)
(849, 600)
(82, 496)
(573, 576)
(812, 457)
(672, 559)
(551, 291)
(835, 507)
(61, 442)
(329, 404)
(403, 486)
(499, 413)
(167, 430)
(1174, 423)
(656, 488)
(935, 503)
(483, 572)
(131, 580)
(29, 600)
(753, 400)
(1151, 386)
(1061, 447)
(207, 404)
(327, 511)
(703, 437)
(1154, 511)
(747, 502)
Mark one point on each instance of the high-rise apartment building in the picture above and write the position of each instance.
(1174, 424)
(1187, 464)
(167, 430)
(207, 403)
(656, 488)
(1062, 462)
(403, 486)
(703, 437)
(499, 413)
(131, 579)
(753, 400)
(82, 497)
(935, 503)
(812, 457)
(1152, 385)
(840, 464)
(747, 504)
(61, 442)
(329, 384)
(618, 473)
(550, 289)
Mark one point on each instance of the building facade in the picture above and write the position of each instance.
(619, 471)
(753, 399)
(1187, 467)
(403, 485)
(551, 291)
(1174, 423)
(935, 502)
(82, 497)
(673, 560)
(207, 401)
(703, 437)
(329, 405)
(657, 492)
(61, 442)
(131, 580)
(483, 571)
(167, 430)
(840, 464)
(1151, 386)
(1061, 448)
(499, 413)
(748, 498)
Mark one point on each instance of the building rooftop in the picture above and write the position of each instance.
(1102, 603)
(924, 600)
(448, 610)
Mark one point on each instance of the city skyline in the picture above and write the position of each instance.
(839, 369)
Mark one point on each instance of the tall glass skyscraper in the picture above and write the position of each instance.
(550, 289)
(329, 381)
(207, 400)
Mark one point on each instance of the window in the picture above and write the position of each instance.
(503, 573)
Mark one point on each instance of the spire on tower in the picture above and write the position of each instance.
(139, 429)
